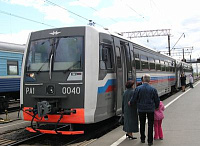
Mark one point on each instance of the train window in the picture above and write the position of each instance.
(173, 69)
(66, 53)
(12, 67)
(158, 65)
(106, 57)
(132, 58)
(128, 57)
(162, 65)
(118, 55)
(137, 61)
(144, 62)
(152, 63)
(172, 66)
(167, 66)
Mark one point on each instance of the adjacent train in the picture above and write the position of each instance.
(11, 56)
(77, 75)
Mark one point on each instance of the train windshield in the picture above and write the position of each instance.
(63, 53)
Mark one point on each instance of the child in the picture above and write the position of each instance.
(158, 117)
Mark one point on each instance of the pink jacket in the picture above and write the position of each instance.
(158, 114)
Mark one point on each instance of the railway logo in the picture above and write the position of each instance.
(54, 33)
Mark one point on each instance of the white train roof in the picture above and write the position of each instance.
(5, 46)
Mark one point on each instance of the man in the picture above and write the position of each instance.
(147, 101)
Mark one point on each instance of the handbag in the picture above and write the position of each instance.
(121, 120)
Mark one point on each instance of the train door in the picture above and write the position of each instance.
(121, 70)
(124, 63)
(119, 76)
(132, 63)
(178, 74)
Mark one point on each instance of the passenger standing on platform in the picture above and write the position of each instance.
(130, 112)
(183, 82)
(191, 80)
(158, 117)
(147, 101)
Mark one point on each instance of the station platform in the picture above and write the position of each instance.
(181, 125)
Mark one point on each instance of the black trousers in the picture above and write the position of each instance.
(150, 117)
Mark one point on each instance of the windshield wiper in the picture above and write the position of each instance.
(39, 70)
(72, 66)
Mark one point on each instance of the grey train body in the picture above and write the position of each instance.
(86, 69)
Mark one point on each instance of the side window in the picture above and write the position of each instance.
(158, 65)
(12, 67)
(106, 57)
(167, 66)
(144, 62)
(172, 67)
(152, 63)
(162, 65)
(137, 61)
(128, 58)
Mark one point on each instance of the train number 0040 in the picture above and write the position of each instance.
(71, 90)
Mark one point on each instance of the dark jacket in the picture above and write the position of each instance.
(183, 80)
(146, 97)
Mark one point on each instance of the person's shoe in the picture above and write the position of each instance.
(155, 138)
(142, 141)
(130, 137)
(161, 138)
(150, 143)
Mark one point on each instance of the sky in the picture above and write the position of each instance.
(20, 17)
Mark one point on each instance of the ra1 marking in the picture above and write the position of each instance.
(30, 90)
(71, 90)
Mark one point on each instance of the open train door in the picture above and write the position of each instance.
(119, 76)
(123, 69)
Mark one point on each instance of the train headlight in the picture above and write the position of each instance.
(30, 77)
(50, 89)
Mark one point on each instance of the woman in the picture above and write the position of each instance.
(130, 112)
(183, 81)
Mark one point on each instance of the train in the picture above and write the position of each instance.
(11, 56)
(77, 75)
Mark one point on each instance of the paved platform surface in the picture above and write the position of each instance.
(181, 125)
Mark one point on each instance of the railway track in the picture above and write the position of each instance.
(7, 142)
(92, 132)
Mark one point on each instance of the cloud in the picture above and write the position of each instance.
(18, 38)
(50, 12)
(55, 13)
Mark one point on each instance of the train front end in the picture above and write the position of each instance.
(52, 89)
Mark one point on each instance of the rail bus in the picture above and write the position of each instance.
(11, 56)
(77, 75)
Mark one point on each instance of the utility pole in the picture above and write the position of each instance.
(149, 33)
(183, 55)
(169, 45)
